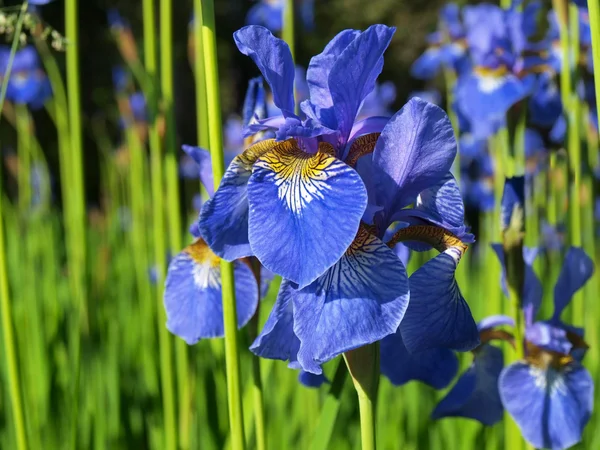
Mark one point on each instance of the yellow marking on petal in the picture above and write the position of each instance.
(201, 253)
(544, 359)
(489, 72)
(362, 239)
(326, 148)
(252, 153)
(300, 177)
(437, 237)
(361, 146)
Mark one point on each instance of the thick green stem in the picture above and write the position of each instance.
(158, 211)
(363, 365)
(232, 360)
(198, 61)
(288, 33)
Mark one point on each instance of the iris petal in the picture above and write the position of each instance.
(353, 75)
(312, 380)
(358, 301)
(274, 59)
(202, 158)
(192, 294)
(475, 395)
(223, 221)
(415, 150)
(295, 201)
(435, 367)
(576, 270)
(550, 407)
(317, 77)
(438, 315)
(428, 64)
(495, 321)
(277, 339)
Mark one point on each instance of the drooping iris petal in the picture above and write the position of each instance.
(317, 77)
(475, 395)
(415, 150)
(532, 287)
(305, 210)
(312, 380)
(495, 321)
(202, 158)
(428, 64)
(353, 75)
(551, 407)
(192, 294)
(438, 315)
(277, 339)
(360, 300)
(485, 97)
(223, 221)
(274, 59)
(576, 270)
(435, 367)
(513, 197)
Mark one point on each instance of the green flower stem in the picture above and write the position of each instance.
(158, 219)
(198, 61)
(363, 365)
(9, 341)
(450, 79)
(329, 412)
(24, 131)
(173, 204)
(594, 14)
(232, 358)
(288, 33)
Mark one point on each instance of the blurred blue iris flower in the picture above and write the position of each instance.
(269, 14)
(446, 47)
(504, 64)
(314, 205)
(28, 83)
(549, 394)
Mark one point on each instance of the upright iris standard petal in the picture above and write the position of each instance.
(192, 294)
(360, 300)
(354, 74)
(277, 339)
(475, 395)
(274, 60)
(415, 150)
(576, 270)
(435, 367)
(317, 77)
(305, 210)
(223, 221)
(438, 315)
(550, 406)
(202, 158)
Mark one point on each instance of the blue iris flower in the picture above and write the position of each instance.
(28, 84)
(269, 14)
(379, 101)
(498, 40)
(475, 395)
(312, 325)
(446, 47)
(314, 204)
(549, 394)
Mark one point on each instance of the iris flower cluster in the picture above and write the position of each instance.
(323, 205)
(28, 83)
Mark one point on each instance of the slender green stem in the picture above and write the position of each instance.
(198, 61)
(594, 15)
(288, 33)
(227, 279)
(158, 211)
(24, 151)
(363, 365)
